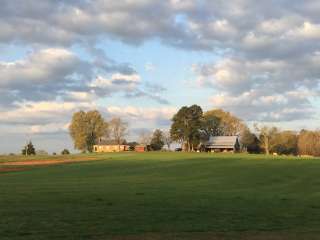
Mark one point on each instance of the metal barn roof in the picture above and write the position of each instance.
(222, 141)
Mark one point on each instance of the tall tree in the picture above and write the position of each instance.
(267, 137)
(211, 125)
(249, 141)
(219, 122)
(157, 142)
(186, 126)
(86, 128)
(118, 130)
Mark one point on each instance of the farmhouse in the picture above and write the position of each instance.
(110, 146)
(223, 144)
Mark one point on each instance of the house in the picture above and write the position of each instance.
(110, 146)
(140, 148)
(223, 144)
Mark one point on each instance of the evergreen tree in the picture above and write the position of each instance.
(29, 149)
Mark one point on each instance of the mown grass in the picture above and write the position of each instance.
(180, 194)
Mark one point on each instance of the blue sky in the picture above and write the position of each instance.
(143, 59)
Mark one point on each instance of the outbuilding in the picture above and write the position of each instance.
(223, 144)
(140, 148)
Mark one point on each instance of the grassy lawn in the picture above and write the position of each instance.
(162, 196)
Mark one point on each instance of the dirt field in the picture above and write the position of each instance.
(13, 164)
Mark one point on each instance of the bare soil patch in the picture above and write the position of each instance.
(37, 162)
(40, 162)
(5, 170)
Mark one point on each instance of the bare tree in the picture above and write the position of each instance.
(167, 138)
(267, 137)
(145, 137)
(118, 130)
(309, 143)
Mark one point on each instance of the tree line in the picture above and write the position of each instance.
(87, 128)
(192, 127)
(29, 149)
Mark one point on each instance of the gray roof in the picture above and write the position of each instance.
(222, 142)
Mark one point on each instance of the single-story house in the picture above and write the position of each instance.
(110, 146)
(223, 144)
(140, 148)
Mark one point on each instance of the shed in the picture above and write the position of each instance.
(223, 144)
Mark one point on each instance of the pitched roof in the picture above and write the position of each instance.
(222, 141)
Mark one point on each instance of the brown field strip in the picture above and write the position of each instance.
(6, 170)
(14, 166)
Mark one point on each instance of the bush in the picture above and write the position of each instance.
(29, 149)
(65, 152)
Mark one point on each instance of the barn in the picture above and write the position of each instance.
(223, 144)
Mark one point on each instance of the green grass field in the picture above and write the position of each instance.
(162, 196)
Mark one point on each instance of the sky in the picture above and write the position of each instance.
(142, 60)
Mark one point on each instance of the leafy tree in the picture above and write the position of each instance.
(249, 141)
(118, 130)
(221, 123)
(157, 142)
(179, 126)
(132, 145)
(211, 125)
(86, 128)
(65, 152)
(29, 149)
(286, 142)
(186, 126)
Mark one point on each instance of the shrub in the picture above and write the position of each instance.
(65, 152)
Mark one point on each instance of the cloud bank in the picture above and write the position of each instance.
(267, 67)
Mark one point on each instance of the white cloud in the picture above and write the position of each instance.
(47, 65)
(307, 31)
(268, 67)
(45, 112)
(57, 73)
(263, 90)
(116, 82)
(143, 113)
